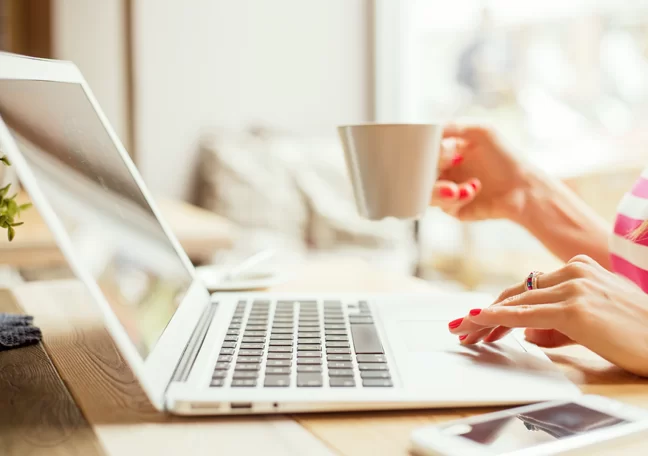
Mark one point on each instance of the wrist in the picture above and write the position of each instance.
(532, 194)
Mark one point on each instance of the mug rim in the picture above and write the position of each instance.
(392, 124)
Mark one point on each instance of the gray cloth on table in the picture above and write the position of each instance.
(17, 331)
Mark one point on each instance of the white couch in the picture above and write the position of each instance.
(293, 193)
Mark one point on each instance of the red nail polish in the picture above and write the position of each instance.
(474, 185)
(475, 312)
(463, 337)
(455, 323)
(457, 159)
(446, 192)
(463, 193)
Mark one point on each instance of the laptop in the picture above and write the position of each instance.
(234, 353)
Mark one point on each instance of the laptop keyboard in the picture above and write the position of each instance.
(304, 344)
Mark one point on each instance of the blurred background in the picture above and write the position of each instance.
(229, 110)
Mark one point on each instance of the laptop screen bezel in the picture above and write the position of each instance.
(156, 371)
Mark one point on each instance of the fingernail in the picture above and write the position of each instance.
(463, 193)
(446, 192)
(463, 337)
(474, 185)
(455, 323)
(475, 312)
(457, 159)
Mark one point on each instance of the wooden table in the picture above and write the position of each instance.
(200, 232)
(98, 407)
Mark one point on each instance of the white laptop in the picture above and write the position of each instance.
(234, 353)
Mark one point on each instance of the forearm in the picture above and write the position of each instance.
(562, 221)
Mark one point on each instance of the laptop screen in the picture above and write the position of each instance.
(114, 231)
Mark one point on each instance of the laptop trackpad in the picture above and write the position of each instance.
(426, 353)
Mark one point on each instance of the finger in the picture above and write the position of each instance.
(547, 338)
(498, 333)
(541, 316)
(534, 297)
(543, 281)
(474, 337)
(465, 325)
(444, 193)
(449, 155)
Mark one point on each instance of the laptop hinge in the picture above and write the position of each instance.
(192, 349)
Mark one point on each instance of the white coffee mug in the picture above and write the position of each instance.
(392, 167)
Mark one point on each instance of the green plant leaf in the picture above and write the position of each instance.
(4, 190)
(17, 224)
(11, 233)
(12, 209)
(5, 160)
(24, 207)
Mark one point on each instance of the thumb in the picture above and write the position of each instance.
(449, 155)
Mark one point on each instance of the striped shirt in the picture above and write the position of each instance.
(629, 257)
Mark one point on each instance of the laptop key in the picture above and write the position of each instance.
(340, 372)
(253, 340)
(338, 351)
(222, 366)
(314, 340)
(244, 382)
(225, 358)
(252, 346)
(250, 352)
(372, 358)
(228, 345)
(375, 382)
(274, 381)
(254, 334)
(308, 324)
(276, 349)
(309, 379)
(231, 338)
(309, 368)
(334, 326)
(219, 374)
(309, 347)
(338, 358)
(338, 344)
(282, 325)
(340, 365)
(336, 338)
(336, 332)
(282, 331)
(245, 374)
(278, 370)
(274, 336)
(233, 332)
(375, 374)
(279, 355)
(248, 359)
(216, 382)
(308, 334)
(276, 343)
(372, 367)
(366, 340)
(279, 363)
(341, 382)
(227, 351)
(247, 367)
(309, 361)
(256, 327)
(309, 354)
